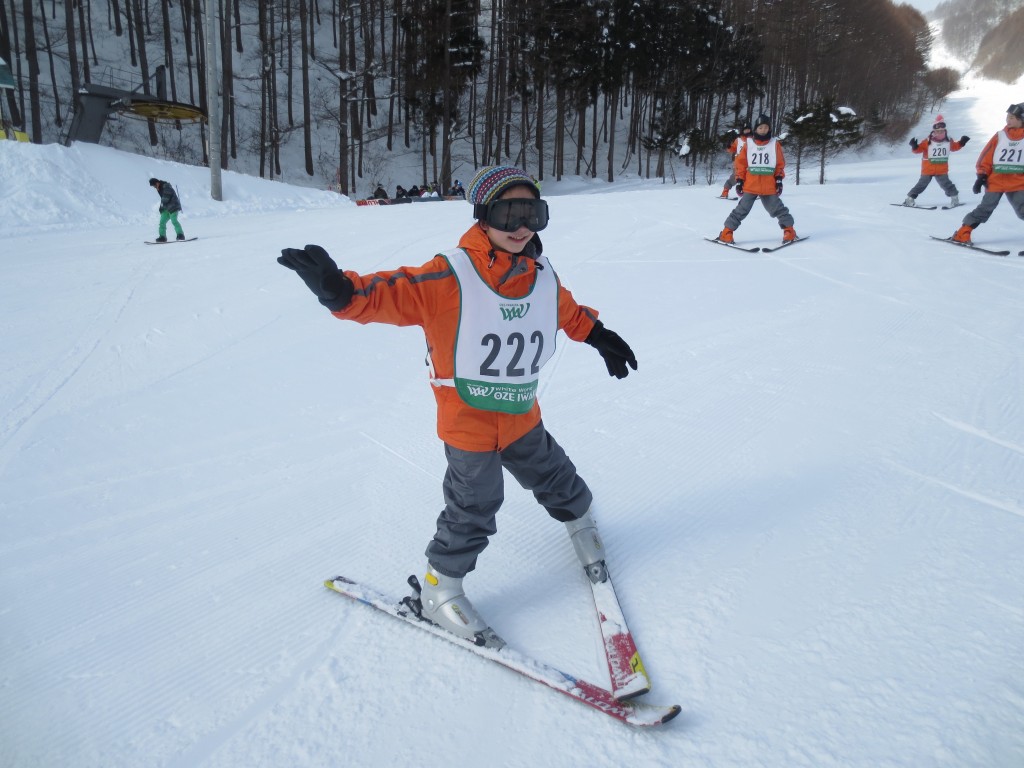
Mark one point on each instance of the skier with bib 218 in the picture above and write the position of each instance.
(760, 168)
(1000, 170)
(490, 310)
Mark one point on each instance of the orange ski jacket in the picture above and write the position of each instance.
(428, 296)
(1000, 182)
(760, 185)
(928, 168)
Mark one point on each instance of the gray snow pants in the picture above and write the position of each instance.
(988, 204)
(474, 490)
(772, 203)
(947, 186)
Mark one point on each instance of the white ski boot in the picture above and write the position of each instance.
(445, 604)
(589, 549)
(910, 203)
(954, 201)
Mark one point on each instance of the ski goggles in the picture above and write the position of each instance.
(513, 213)
(939, 127)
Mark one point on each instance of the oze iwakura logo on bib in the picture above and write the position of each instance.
(514, 311)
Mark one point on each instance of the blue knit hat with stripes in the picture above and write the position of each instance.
(491, 182)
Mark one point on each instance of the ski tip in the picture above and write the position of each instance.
(631, 692)
(674, 710)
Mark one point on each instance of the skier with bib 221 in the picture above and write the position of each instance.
(1000, 170)
(490, 310)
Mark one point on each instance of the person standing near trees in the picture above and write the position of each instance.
(1000, 170)
(733, 149)
(170, 207)
(760, 168)
(490, 310)
(935, 151)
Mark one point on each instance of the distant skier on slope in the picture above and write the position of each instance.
(733, 149)
(170, 207)
(760, 168)
(1000, 170)
(935, 151)
(490, 310)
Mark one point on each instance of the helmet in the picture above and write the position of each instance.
(1017, 110)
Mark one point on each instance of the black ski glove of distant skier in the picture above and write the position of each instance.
(739, 188)
(982, 181)
(613, 349)
(320, 274)
(778, 185)
(913, 143)
(964, 140)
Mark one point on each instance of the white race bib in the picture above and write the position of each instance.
(502, 343)
(1009, 155)
(761, 161)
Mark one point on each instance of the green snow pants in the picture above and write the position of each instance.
(173, 217)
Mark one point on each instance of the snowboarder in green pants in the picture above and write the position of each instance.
(170, 207)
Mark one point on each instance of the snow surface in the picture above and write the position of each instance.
(811, 492)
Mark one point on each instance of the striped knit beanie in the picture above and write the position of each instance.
(491, 182)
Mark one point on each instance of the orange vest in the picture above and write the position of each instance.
(760, 185)
(428, 296)
(1000, 182)
(931, 165)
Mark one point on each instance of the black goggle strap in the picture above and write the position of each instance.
(510, 215)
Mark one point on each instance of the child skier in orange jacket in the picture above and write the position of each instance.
(1000, 170)
(733, 149)
(935, 152)
(760, 168)
(490, 310)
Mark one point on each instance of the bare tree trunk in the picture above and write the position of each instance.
(69, 22)
(307, 116)
(53, 71)
(445, 177)
(143, 63)
(613, 109)
(33, 73)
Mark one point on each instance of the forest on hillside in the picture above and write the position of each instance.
(586, 87)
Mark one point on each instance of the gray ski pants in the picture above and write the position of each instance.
(988, 204)
(772, 203)
(474, 490)
(943, 179)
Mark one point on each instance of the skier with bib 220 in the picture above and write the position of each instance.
(935, 151)
(490, 310)
(760, 168)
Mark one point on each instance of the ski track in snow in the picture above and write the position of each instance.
(978, 432)
(49, 384)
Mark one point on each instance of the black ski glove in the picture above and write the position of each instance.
(739, 188)
(613, 349)
(964, 140)
(913, 143)
(320, 274)
(778, 185)
(981, 181)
